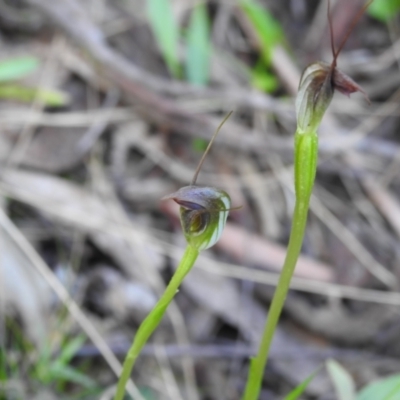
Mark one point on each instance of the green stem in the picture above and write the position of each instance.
(306, 150)
(151, 322)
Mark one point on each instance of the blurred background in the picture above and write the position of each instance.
(106, 107)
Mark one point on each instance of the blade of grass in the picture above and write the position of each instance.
(49, 97)
(269, 31)
(17, 68)
(343, 382)
(262, 79)
(166, 32)
(299, 389)
(383, 389)
(70, 349)
(198, 47)
(69, 374)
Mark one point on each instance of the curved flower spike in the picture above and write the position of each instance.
(203, 212)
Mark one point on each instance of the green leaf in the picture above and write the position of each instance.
(199, 145)
(17, 68)
(384, 10)
(52, 97)
(268, 30)
(383, 389)
(166, 32)
(49, 97)
(66, 373)
(70, 349)
(262, 79)
(342, 381)
(198, 47)
(299, 389)
(42, 364)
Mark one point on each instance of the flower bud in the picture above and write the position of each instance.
(317, 86)
(203, 212)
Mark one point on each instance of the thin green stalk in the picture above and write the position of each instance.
(317, 86)
(151, 322)
(306, 152)
(203, 215)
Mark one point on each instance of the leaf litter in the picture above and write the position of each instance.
(86, 177)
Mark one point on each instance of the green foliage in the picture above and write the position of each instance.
(262, 79)
(58, 371)
(16, 68)
(199, 144)
(166, 32)
(270, 34)
(384, 10)
(40, 370)
(342, 381)
(198, 52)
(299, 389)
(198, 47)
(384, 389)
(8, 366)
(10, 358)
(49, 97)
(268, 30)
(198, 41)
